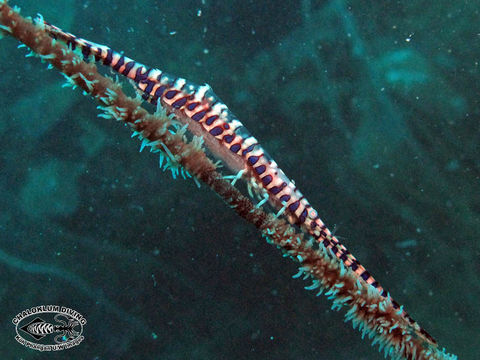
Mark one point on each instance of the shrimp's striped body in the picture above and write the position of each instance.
(207, 116)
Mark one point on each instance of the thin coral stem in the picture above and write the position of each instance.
(373, 314)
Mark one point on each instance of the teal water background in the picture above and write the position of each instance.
(373, 109)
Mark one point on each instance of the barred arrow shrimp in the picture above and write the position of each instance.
(227, 138)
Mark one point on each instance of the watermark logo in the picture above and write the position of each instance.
(49, 328)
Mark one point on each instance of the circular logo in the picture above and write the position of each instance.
(49, 327)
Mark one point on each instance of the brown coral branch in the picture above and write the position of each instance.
(373, 314)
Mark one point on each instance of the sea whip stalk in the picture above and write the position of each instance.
(373, 314)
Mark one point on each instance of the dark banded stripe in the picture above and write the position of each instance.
(267, 180)
(192, 106)
(108, 59)
(228, 138)
(141, 76)
(294, 206)
(128, 67)
(303, 216)
(149, 87)
(159, 92)
(86, 50)
(211, 119)
(217, 130)
(179, 103)
(170, 94)
(365, 275)
(248, 149)
(199, 115)
(119, 63)
(276, 189)
(234, 148)
(252, 160)
(260, 169)
(98, 54)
